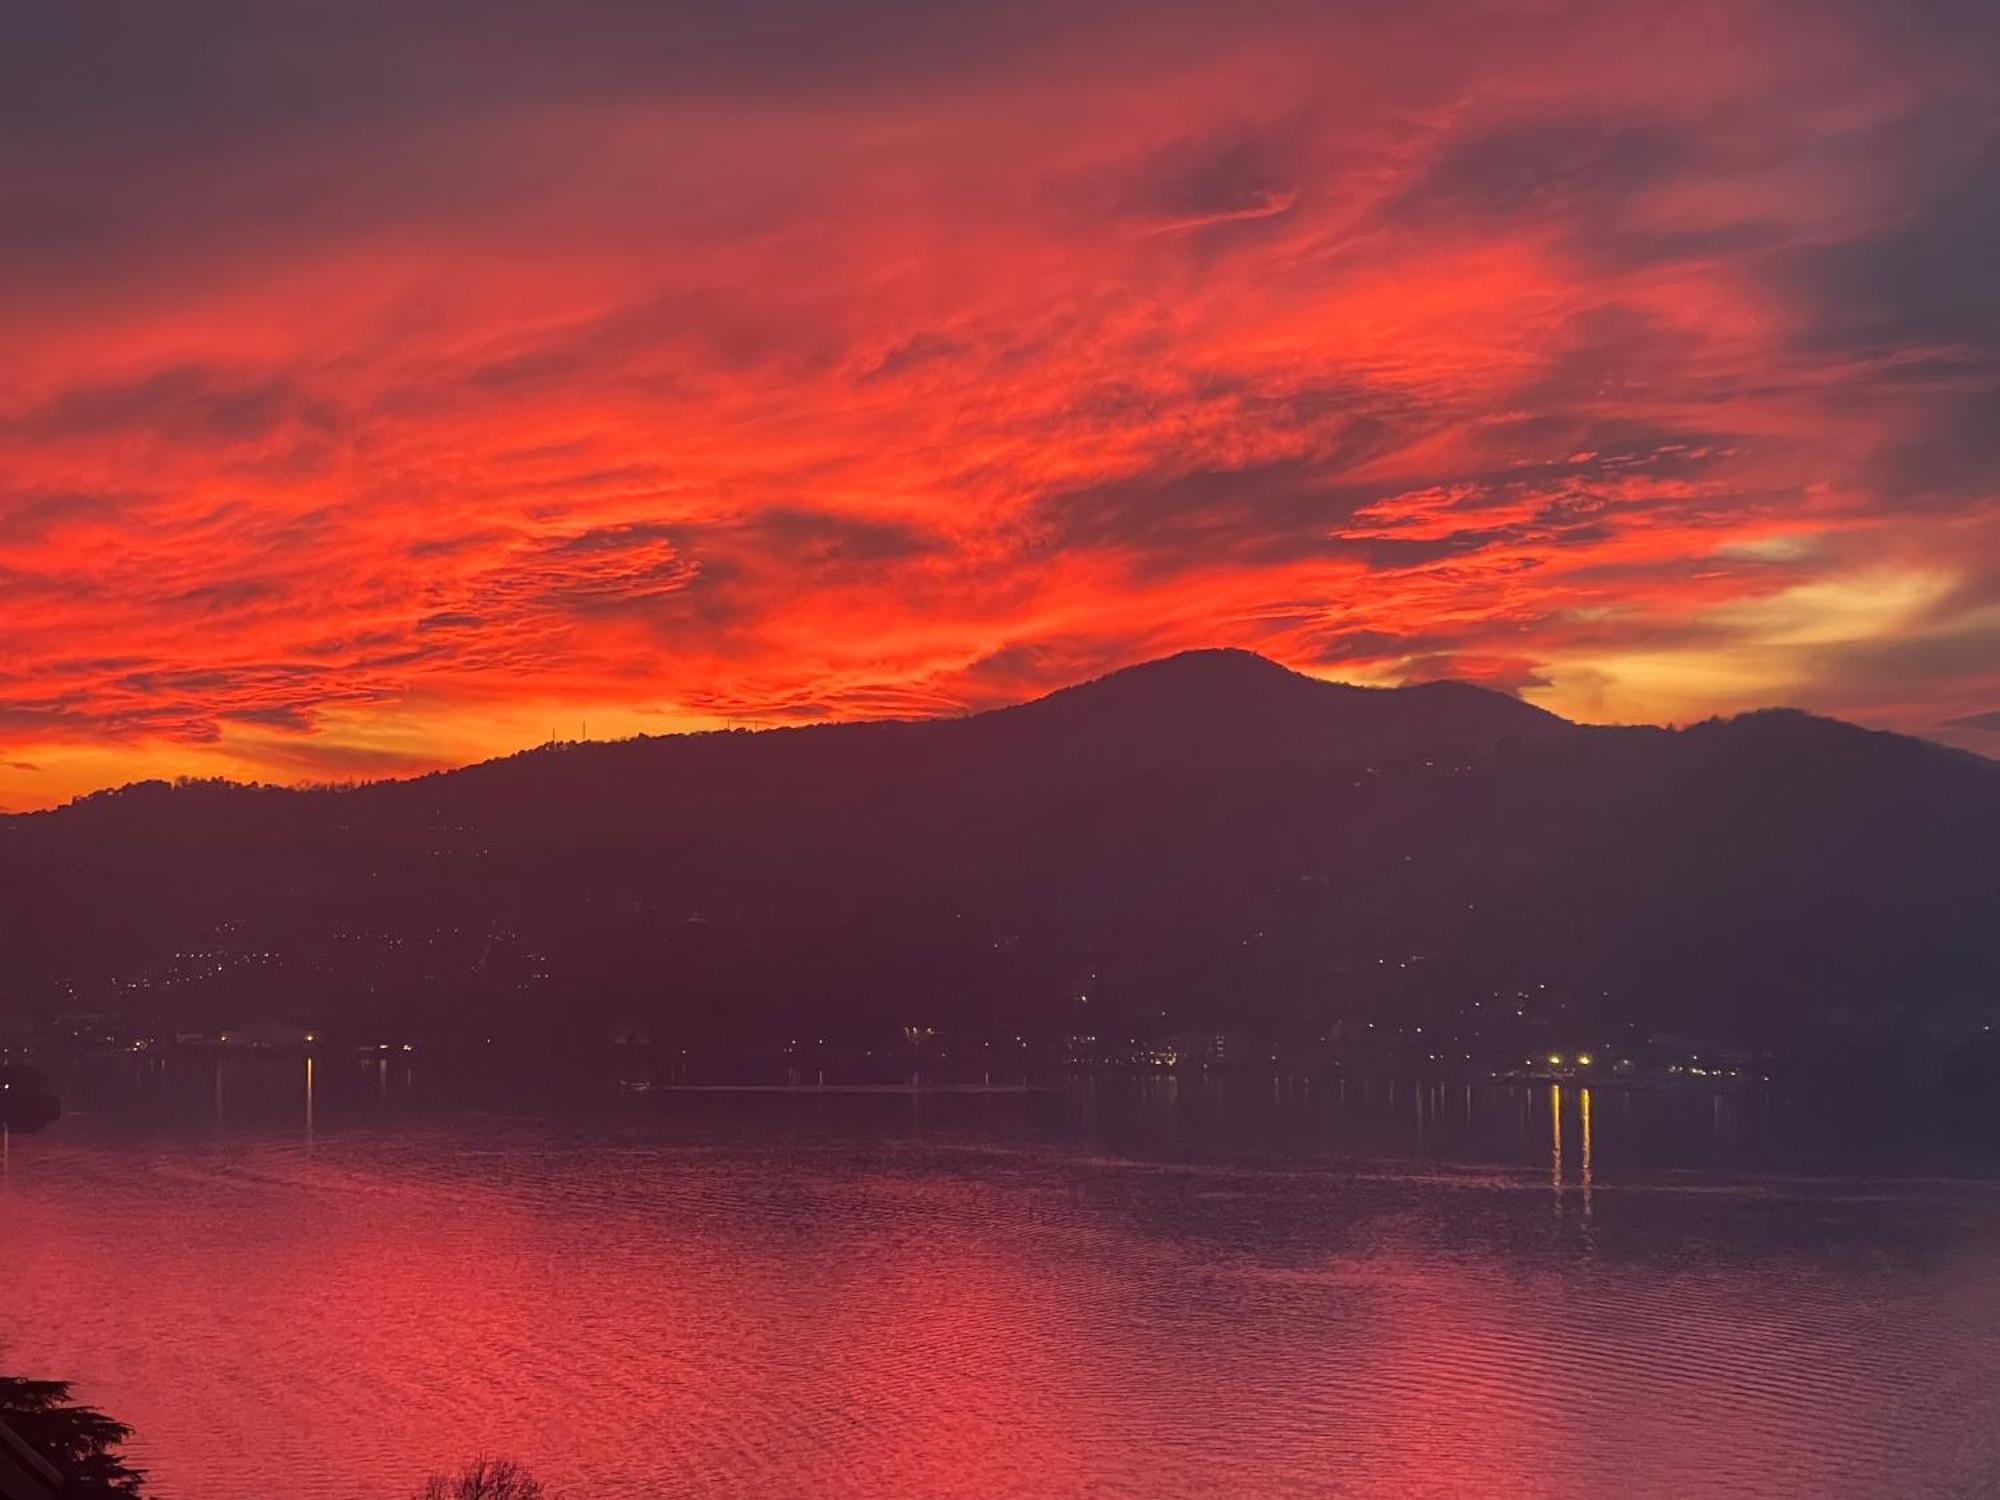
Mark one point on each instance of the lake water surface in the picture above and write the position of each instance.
(1137, 1289)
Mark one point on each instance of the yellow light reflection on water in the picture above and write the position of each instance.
(1556, 1142)
(1583, 1109)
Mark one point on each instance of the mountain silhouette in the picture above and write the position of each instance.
(1229, 706)
(1206, 840)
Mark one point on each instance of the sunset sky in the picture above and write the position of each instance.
(389, 385)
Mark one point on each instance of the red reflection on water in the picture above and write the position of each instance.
(883, 1316)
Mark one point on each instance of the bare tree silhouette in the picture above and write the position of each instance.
(485, 1479)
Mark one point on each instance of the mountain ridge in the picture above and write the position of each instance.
(1235, 679)
(1210, 842)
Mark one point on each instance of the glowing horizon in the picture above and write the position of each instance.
(387, 386)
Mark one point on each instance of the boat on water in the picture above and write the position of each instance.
(26, 1100)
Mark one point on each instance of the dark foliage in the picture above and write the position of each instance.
(485, 1479)
(81, 1442)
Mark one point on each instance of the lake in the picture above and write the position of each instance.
(297, 1288)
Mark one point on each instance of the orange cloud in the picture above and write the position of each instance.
(375, 396)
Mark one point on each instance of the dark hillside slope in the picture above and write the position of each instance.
(1206, 839)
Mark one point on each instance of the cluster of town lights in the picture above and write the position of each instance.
(1582, 1059)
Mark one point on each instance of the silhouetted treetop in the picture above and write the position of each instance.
(79, 1441)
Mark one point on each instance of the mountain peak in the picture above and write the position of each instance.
(1209, 662)
(1194, 677)
(1206, 702)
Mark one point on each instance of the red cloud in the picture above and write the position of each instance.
(1644, 364)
